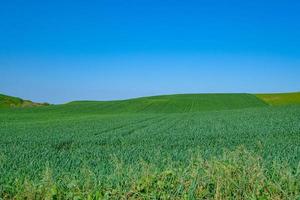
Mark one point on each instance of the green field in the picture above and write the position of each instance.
(281, 98)
(15, 102)
(193, 146)
(8, 101)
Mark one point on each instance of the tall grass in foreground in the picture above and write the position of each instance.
(234, 175)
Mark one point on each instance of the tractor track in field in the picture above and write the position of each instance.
(125, 125)
(121, 133)
(163, 119)
(145, 107)
(118, 137)
(181, 119)
(164, 127)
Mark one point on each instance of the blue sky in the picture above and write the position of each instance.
(58, 51)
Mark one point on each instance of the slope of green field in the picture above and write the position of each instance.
(280, 98)
(8, 101)
(15, 102)
(162, 104)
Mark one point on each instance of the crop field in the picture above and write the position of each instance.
(281, 98)
(209, 146)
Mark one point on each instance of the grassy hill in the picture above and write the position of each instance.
(281, 98)
(182, 103)
(8, 101)
(15, 102)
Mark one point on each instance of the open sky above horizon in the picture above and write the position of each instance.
(59, 51)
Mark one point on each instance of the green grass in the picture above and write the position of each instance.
(164, 104)
(233, 175)
(15, 102)
(8, 101)
(179, 146)
(281, 98)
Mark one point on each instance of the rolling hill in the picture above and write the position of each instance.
(180, 103)
(281, 98)
(15, 102)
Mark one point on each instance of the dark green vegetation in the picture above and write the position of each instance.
(182, 103)
(15, 102)
(226, 146)
(281, 98)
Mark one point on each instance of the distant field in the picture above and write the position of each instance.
(165, 147)
(164, 104)
(15, 102)
(6, 101)
(281, 99)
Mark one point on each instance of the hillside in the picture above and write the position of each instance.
(15, 102)
(281, 98)
(181, 103)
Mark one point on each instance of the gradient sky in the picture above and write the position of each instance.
(59, 51)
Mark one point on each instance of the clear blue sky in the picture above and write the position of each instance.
(58, 51)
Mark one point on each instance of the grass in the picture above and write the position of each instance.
(234, 175)
(15, 102)
(163, 104)
(281, 98)
(182, 149)
(8, 101)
